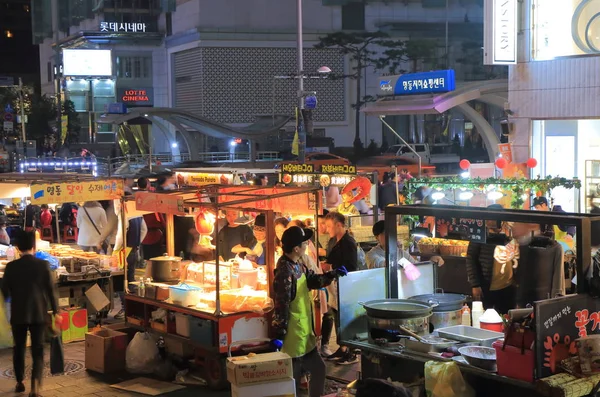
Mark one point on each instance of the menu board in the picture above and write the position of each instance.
(301, 203)
(460, 229)
(76, 192)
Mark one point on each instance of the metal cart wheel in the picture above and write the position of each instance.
(215, 372)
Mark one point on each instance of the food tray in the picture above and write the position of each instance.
(465, 333)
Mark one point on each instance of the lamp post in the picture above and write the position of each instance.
(300, 60)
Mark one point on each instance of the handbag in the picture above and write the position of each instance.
(57, 358)
(104, 244)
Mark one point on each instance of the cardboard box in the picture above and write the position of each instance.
(122, 327)
(105, 350)
(259, 368)
(284, 388)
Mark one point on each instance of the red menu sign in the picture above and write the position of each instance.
(159, 202)
(300, 203)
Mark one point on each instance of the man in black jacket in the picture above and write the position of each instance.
(28, 283)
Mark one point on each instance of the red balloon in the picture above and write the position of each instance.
(464, 164)
(531, 163)
(501, 162)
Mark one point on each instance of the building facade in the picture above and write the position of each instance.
(221, 60)
(553, 91)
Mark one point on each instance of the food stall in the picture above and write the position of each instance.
(210, 303)
(554, 324)
(75, 271)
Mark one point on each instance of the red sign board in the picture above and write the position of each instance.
(136, 96)
(8, 117)
(505, 150)
(301, 203)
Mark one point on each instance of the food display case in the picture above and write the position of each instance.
(204, 314)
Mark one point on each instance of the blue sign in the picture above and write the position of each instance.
(39, 194)
(310, 102)
(8, 108)
(116, 108)
(438, 81)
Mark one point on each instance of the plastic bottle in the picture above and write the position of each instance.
(10, 253)
(142, 288)
(466, 315)
(477, 312)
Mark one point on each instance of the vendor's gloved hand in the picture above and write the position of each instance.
(277, 343)
(341, 271)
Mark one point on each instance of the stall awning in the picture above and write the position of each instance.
(489, 91)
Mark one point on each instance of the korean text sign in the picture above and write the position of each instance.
(438, 81)
(76, 192)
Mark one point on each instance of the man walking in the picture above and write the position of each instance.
(29, 284)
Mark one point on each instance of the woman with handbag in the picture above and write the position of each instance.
(91, 220)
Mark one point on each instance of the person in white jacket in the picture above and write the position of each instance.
(91, 220)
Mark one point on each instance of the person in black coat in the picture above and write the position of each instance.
(29, 284)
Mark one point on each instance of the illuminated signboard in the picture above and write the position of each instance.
(437, 81)
(319, 169)
(500, 36)
(130, 27)
(136, 96)
(87, 63)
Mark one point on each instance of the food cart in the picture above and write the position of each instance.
(557, 322)
(75, 271)
(205, 309)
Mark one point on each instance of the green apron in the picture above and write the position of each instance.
(300, 338)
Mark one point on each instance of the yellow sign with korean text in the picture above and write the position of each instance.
(76, 192)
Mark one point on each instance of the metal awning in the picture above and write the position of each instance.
(87, 39)
(489, 91)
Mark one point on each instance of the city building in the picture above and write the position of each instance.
(553, 90)
(224, 61)
(19, 55)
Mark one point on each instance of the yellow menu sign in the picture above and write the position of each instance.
(76, 192)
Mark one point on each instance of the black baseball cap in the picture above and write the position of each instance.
(294, 236)
(540, 201)
(378, 228)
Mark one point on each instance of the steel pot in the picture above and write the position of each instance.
(166, 268)
(445, 302)
(418, 325)
(397, 308)
(445, 319)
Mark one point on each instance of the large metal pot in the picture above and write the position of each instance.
(445, 319)
(444, 302)
(397, 308)
(165, 269)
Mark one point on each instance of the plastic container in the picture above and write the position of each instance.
(182, 325)
(185, 295)
(476, 313)
(491, 321)
(248, 278)
(513, 362)
(466, 315)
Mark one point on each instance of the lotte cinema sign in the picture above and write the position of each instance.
(136, 96)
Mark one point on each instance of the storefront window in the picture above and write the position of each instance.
(565, 28)
(138, 67)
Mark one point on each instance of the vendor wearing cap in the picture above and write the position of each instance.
(293, 318)
(376, 256)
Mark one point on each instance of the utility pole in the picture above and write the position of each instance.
(300, 59)
(57, 69)
(22, 106)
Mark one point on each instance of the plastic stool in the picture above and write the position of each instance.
(71, 238)
(47, 233)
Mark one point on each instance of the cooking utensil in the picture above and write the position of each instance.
(445, 319)
(445, 302)
(397, 308)
(410, 333)
(166, 268)
(464, 333)
(480, 357)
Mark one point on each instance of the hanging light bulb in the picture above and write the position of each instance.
(465, 196)
(438, 196)
(495, 195)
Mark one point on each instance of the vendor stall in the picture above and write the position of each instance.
(535, 343)
(212, 301)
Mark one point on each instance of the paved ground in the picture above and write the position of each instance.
(79, 382)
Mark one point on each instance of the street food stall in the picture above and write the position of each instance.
(211, 302)
(378, 307)
(76, 272)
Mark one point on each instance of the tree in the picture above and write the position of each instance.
(417, 54)
(360, 47)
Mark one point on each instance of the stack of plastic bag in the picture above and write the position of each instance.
(54, 264)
